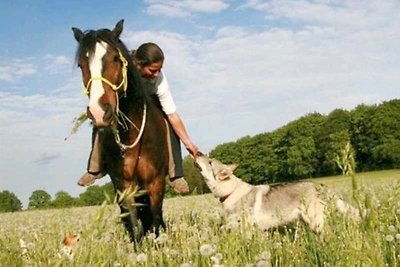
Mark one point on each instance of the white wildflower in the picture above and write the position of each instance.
(389, 238)
(161, 239)
(141, 257)
(391, 228)
(186, 264)
(398, 236)
(265, 255)
(216, 259)
(151, 236)
(262, 263)
(207, 250)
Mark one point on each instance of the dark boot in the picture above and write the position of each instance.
(95, 162)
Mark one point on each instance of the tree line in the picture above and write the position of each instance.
(40, 199)
(304, 148)
(308, 146)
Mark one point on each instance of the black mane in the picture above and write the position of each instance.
(87, 47)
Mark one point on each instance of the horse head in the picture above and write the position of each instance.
(103, 60)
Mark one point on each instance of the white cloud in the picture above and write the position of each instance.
(186, 8)
(56, 64)
(348, 14)
(264, 79)
(16, 69)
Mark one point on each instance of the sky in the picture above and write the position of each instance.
(235, 68)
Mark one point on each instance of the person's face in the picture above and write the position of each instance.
(150, 71)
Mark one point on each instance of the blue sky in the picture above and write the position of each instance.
(235, 68)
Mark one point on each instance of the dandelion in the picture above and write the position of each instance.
(162, 238)
(141, 257)
(391, 228)
(151, 236)
(207, 250)
(389, 238)
(398, 236)
(216, 259)
(265, 255)
(186, 264)
(398, 211)
(262, 263)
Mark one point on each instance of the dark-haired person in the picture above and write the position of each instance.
(149, 60)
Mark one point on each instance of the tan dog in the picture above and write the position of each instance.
(268, 206)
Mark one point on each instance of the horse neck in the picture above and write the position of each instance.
(133, 103)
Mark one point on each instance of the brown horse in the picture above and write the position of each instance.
(132, 129)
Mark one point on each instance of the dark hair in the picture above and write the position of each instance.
(147, 54)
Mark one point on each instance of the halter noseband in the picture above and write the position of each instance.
(123, 84)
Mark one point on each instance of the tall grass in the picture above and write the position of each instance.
(200, 233)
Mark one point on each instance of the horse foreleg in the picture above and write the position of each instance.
(156, 196)
(129, 215)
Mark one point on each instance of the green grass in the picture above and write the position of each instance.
(199, 233)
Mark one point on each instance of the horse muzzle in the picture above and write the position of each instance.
(101, 117)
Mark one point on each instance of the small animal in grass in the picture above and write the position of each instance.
(67, 245)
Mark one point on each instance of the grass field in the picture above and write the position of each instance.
(199, 233)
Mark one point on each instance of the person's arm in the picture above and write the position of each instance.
(179, 128)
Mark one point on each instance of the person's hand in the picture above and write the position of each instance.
(193, 150)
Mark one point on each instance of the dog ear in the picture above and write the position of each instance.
(233, 167)
(223, 175)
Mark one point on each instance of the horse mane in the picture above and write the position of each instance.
(87, 47)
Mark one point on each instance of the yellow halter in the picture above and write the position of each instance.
(124, 82)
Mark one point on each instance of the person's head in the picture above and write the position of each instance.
(149, 59)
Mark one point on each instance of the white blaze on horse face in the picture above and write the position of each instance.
(96, 87)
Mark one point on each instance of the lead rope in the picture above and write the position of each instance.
(124, 147)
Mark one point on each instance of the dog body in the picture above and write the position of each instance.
(268, 206)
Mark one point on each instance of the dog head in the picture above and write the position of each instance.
(218, 176)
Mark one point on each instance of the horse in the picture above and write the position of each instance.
(132, 129)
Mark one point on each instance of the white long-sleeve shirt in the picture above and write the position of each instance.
(160, 87)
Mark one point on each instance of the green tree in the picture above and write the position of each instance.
(296, 150)
(9, 202)
(39, 199)
(63, 199)
(332, 137)
(362, 137)
(193, 177)
(94, 195)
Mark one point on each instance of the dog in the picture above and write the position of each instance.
(265, 206)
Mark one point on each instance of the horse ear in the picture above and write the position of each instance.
(118, 28)
(78, 34)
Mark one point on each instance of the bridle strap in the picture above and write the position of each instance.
(123, 84)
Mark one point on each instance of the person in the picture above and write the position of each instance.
(149, 60)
